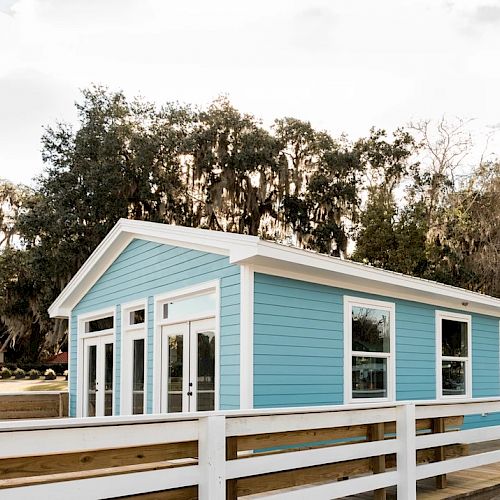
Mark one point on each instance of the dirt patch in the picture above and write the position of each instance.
(13, 385)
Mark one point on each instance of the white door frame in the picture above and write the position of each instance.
(81, 398)
(189, 331)
(198, 289)
(100, 343)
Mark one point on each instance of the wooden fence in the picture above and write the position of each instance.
(28, 405)
(320, 453)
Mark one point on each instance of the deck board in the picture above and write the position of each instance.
(481, 483)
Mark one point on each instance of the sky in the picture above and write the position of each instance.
(343, 65)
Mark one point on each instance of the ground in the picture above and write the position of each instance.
(13, 385)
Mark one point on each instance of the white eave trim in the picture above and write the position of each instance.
(283, 260)
(122, 234)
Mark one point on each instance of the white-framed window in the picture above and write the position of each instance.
(369, 350)
(134, 358)
(95, 368)
(453, 355)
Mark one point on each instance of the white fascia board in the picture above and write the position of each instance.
(353, 275)
(122, 234)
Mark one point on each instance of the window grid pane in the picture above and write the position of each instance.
(371, 329)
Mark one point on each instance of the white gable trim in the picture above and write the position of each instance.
(283, 260)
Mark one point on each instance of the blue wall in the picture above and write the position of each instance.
(298, 352)
(145, 269)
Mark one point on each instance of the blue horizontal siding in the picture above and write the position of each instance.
(145, 269)
(299, 350)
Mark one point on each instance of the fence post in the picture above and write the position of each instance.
(212, 458)
(406, 454)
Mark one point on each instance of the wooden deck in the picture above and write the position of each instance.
(481, 483)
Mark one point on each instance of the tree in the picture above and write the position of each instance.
(384, 226)
(318, 188)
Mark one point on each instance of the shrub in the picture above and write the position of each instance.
(19, 373)
(5, 373)
(65, 374)
(50, 374)
(34, 374)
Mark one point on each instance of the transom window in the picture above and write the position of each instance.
(453, 361)
(99, 324)
(137, 316)
(183, 307)
(369, 363)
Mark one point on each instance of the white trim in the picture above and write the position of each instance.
(128, 334)
(81, 336)
(463, 318)
(243, 249)
(246, 336)
(349, 302)
(158, 300)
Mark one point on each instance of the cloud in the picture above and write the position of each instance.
(313, 28)
(6, 6)
(487, 14)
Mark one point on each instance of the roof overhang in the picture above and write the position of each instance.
(270, 258)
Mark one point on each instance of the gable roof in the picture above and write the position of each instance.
(271, 258)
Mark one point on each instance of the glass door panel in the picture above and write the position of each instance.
(175, 372)
(138, 377)
(205, 390)
(108, 379)
(91, 380)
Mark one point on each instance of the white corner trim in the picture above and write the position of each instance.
(465, 318)
(349, 302)
(246, 336)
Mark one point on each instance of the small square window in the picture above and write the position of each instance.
(137, 317)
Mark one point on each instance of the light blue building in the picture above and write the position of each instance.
(167, 319)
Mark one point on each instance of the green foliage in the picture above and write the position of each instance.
(220, 169)
(19, 373)
(34, 374)
(5, 373)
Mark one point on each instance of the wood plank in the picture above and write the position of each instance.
(231, 454)
(69, 462)
(377, 433)
(329, 472)
(271, 440)
(261, 441)
(190, 493)
(438, 426)
(27, 406)
(87, 474)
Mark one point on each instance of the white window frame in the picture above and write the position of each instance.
(182, 293)
(463, 318)
(81, 336)
(129, 333)
(349, 303)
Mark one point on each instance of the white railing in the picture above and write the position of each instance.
(211, 470)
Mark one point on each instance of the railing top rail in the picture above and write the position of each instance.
(22, 425)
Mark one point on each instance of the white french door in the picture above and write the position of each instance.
(188, 366)
(98, 376)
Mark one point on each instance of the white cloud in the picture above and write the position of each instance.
(343, 65)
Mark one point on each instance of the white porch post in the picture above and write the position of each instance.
(212, 458)
(246, 336)
(406, 454)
